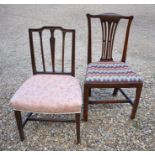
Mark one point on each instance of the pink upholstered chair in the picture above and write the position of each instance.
(49, 92)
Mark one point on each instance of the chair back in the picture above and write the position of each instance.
(51, 41)
(109, 23)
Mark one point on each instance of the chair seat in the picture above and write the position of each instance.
(49, 94)
(111, 71)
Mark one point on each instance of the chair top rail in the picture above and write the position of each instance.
(51, 27)
(110, 15)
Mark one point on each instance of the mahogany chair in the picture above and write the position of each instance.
(49, 92)
(107, 73)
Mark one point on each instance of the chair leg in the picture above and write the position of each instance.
(115, 92)
(85, 106)
(90, 92)
(19, 124)
(136, 102)
(77, 117)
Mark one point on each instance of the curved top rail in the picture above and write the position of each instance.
(51, 27)
(110, 15)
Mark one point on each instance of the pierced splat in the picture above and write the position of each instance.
(108, 34)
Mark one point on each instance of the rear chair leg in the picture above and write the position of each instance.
(90, 92)
(115, 92)
(19, 124)
(136, 102)
(77, 117)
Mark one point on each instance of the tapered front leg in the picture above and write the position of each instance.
(19, 124)
(136, 102)
(85, 108)
(77, 117)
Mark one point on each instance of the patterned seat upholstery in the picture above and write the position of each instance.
(111, 71)
(49, 94)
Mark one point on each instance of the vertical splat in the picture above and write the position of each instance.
(52, 45)
(108, 35)
(42, 51)
(63, 49)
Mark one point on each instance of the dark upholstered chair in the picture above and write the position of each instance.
(49, 92)
(108, 73)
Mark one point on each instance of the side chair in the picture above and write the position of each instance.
(107, 72)
(49, 92)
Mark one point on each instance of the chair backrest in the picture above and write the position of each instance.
(52, 41)
(109, 23)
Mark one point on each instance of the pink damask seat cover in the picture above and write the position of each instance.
(49, 94)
